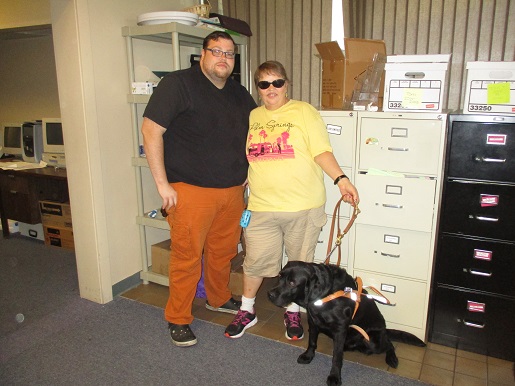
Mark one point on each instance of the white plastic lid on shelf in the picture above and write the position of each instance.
(163, 17)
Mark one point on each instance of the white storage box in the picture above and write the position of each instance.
(415, 82)
(490, 88)
(34, 231)
(142, 88)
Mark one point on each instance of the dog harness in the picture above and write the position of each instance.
(351, 294)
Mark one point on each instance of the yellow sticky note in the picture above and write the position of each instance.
(498, 93)
(411, 97)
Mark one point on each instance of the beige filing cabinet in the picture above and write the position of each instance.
(395, 161)
(341, 126)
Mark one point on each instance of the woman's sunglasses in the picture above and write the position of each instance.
(278, 83)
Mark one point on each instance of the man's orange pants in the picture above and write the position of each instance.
(205, 222)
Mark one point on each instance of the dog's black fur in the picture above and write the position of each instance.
(304, 283)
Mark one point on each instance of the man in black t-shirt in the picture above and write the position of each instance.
(194, 135)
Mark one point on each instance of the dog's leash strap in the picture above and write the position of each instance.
(378, 294)
(361, 331)
(336, 222)
(359, 284)
(331, 233)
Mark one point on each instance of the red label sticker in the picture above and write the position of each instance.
(481, 254)
(430, 106)
(475, 306)
(496, 139)
(489, 200)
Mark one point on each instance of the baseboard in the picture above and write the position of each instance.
(126, 284)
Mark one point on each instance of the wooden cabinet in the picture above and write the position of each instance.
(473, 306)
(21, 191)
(20, 198)
(395, 161)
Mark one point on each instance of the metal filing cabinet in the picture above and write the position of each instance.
(399, 162)
(473, 302)
(341, 126)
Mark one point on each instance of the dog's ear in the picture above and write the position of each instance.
(314, 285)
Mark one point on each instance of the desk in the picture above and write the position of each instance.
(21, 191)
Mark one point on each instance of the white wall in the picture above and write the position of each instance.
(24, 13)
(28, 79)
(92, 74)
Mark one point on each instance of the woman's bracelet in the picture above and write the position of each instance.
(337, 179)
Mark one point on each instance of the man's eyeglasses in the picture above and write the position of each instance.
(216, 52)
(278, 83)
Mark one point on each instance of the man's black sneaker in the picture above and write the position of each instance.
(242, 321)
(231, 306)
(294, 330)
(182, 335)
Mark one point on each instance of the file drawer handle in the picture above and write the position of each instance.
(389, 255)
(392, 206)
(479, 273)
(472, 324)
(398, 148)
(483, 218)
(483, 159)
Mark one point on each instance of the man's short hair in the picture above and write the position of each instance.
(215, 36)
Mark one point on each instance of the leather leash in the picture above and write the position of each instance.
(339, 235)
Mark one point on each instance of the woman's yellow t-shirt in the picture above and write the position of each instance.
(281, 147)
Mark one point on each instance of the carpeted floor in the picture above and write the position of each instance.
(64, 340)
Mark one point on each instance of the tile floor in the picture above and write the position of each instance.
(434, 364)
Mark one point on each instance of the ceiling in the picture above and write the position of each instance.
(26, 32)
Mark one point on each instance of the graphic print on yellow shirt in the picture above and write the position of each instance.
(281, 147)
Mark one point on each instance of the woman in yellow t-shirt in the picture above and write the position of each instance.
(288, 150)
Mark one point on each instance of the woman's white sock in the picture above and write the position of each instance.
(247, 304)
(293, 307)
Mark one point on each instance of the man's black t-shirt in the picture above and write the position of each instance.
(204, 144)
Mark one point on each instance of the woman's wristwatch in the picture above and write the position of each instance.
(337, 179)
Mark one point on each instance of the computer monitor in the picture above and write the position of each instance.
(10, 139)
(53, 142)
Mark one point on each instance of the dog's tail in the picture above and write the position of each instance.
(404, 337)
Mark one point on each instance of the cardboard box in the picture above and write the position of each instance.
(340, 70)
(161, 257)
(34, 231)
(490, 88)
(415, 83)
(59, 237)
(236, 280)
(160, 262)
(55, 214)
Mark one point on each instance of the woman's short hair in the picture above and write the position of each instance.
(270, 67)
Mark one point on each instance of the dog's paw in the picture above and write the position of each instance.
(334, 380)
(305, 358)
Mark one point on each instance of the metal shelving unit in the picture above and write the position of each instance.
(174, 37)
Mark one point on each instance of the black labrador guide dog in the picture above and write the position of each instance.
(353, 325)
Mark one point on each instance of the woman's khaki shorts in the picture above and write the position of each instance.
(268, 232)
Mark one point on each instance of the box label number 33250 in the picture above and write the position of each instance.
(480, 108)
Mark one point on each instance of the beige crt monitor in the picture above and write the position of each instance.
(53, 142)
